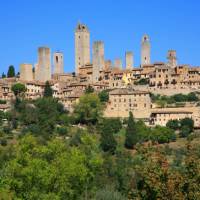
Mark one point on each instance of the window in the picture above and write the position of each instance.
(57, 59)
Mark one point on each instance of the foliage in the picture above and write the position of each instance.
(3, 75)
(89, 89)
(18, 89)
(48, 92)
(162, 135)
(108, 193)
(103, 96)
(173, 124)
(51, 171)
(131, 135)
(142, 81)
(187, 122)
(107, 141)
(185, 131)
(11, 71)
(162, 100)
(88, 110)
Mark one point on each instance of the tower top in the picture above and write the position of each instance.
(81, 28)
(145, 38)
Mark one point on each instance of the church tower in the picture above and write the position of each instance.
(145, 51)
(82, 46)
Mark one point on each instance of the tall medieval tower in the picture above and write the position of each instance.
(43, 71)
(172, 59)
(97, 59)
(145, 51)
(129, 60)
(58, 63)
(82, 46)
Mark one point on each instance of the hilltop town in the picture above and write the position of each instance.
(131, 89)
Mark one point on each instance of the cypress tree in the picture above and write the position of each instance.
(48, 92)
(3, 75)
(131, 135)
(11, 71)
(107, 141)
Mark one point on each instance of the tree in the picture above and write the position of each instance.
(131, 135)
(173, 124)
(103, 96)
(3, 75)
(11, 71)
(89, 89)
(88, 110)
(108, 142)
(142, 81)
(185, 131)
(48, 92)
(187, 122)
(18, 89)
(114, 124)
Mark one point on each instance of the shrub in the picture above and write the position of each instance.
(62, 131)
(3, 142)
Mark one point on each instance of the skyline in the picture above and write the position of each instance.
(25, 28)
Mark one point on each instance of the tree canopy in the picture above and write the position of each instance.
(48, 92)
(11, 71)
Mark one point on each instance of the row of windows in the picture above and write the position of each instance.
(131, 105)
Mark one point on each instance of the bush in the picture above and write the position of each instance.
(185, 131)
(173, 124)
(103, 96)
(187, 122)
(62, 131)
(162, 135)
(3, 142)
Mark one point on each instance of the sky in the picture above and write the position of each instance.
(27, 24)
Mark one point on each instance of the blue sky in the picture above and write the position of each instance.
(28, 24)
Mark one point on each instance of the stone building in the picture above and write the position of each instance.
(82, 46)
(123, 101)
(58, 62)
(26, 72)
(145, 51)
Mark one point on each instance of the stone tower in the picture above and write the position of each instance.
(145, 51)
(172, 59)
(82, 46)
(97, 59)
(129, 60)
(58, 63)
(43, 73)
(26, 72)
(118, 63)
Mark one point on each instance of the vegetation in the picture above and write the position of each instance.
(48, 92)
(142, 81)
(89, 89)
(18, 89)
(3, 75)
(103, 96)
(177, 98)
(131, 134)
(184, 126)
(48, 153)
(11, 71)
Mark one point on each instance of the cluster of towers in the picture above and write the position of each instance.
(42, 71)
(82, 52)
